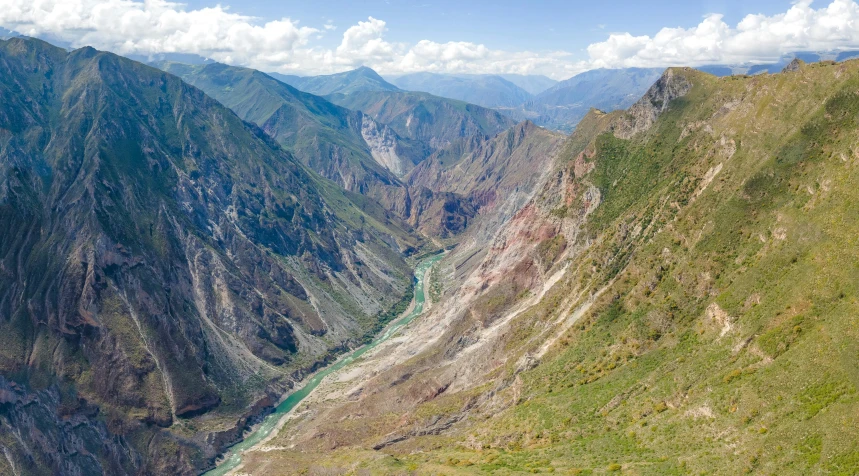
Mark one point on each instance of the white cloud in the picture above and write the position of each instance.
(159, 26)
(757, 38)
(156, 26)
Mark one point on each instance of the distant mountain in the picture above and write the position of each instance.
(846, 55)
(167, 270)
(161, 58)
(533, 83)
(778, 66)
(483, 90)
(601, 88)
(564, 104)
(429, 122)
(361, 79)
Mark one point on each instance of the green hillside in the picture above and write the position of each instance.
(683, 300)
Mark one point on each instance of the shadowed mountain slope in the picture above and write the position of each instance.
(345, 146)
(166, 269)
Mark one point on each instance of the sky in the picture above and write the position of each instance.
(555, 38)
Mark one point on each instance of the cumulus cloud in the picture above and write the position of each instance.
(159, 26)
(757, 38)
(156, 26)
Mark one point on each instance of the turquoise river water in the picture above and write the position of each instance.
(269, 423)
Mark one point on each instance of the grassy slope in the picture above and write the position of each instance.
(647, 381)
(725, 341)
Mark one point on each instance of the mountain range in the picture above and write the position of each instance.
(675, 297)
(357, 80)
(669, 289)
(555, 105)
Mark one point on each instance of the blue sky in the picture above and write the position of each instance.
(551, 37)
(506, 24)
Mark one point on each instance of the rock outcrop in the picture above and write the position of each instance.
(673, 84)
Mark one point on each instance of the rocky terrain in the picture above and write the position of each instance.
(346, 146)
(367, 156)
(166, 269)
(669, 290)
(675, 297)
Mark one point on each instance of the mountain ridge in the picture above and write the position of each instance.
(165, 264)
(673, 299)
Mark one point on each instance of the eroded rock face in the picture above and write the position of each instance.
(162, 262)
(643, 114)
(382, 141)
(793, 66)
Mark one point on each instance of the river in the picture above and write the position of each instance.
(269, 423)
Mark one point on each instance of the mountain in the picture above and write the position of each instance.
(564, 104)
(357, 80)
(532, 83)
(488, 170)
(556, 105)
(425, 122)
(475, 176)
(678, 297)
(778, 66)
(846, 55)
(429, 120)
(483, 90)
(345, 146)
(602, 88)
(167, 270)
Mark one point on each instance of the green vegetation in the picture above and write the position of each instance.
(723, 336)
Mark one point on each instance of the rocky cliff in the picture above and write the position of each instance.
(166, 269)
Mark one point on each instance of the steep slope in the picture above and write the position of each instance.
(469, 180)
(487, 170)
(166, 269)
(483, 90)
(422, 122)
(429, 120)
(357, 80)
(345, 146)
(679, 298)
(336, 142)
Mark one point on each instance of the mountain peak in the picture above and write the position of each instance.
(794, 65)
(359, 79)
